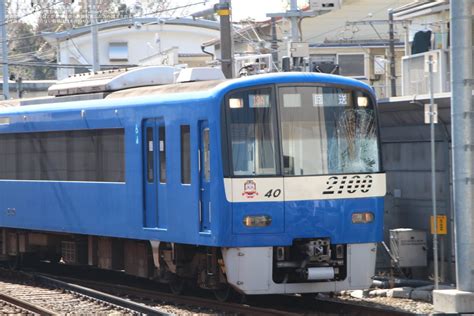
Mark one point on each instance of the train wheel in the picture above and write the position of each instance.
(177, 285)
(224, 294)
(14, 262)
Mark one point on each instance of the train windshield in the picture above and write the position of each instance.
(252, 116)
(319, 130)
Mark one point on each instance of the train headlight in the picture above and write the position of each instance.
(362, 218)
(257, 220)
(362, 101)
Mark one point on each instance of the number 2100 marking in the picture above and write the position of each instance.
(349, 184)
(273, 193)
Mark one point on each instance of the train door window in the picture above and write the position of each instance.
(150, 159)
(206, 154)
(185, 154)
(162, 144)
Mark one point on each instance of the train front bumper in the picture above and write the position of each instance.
(250, 271)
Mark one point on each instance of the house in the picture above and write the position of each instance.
(345, 40)
(134, 41)
(356, 39)
(428, 27)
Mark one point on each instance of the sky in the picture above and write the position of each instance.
(256, 9)
(241, 9)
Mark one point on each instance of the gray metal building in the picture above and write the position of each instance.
(407, 162)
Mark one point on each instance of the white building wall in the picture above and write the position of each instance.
(142, 42)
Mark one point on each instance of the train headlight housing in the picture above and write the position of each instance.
(257, 220)
(362, 218)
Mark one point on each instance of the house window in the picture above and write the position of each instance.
(351, 65)
(118, 51)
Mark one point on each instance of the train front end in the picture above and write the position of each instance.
(302, 176)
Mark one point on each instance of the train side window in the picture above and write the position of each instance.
(77, 155)
(185, 154)
(162, 144)
(150, 170)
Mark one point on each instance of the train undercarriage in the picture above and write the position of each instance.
(309, 265)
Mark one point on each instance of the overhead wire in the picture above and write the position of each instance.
(31, 13)
(342, 26)
(51, 5)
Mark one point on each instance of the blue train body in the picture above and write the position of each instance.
(172, 212)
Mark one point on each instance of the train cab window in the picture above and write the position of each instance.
(251, 118)
(185, 154)
(150, 168)
(325, 131)
(162, 144)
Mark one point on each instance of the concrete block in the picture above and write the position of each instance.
(453, 301)
(422, 295)
(400, 292)
(359, 293)
(379, 293)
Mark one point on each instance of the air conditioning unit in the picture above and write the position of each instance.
(325, 5)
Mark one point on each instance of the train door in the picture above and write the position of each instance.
(155, 177)
(204, 177)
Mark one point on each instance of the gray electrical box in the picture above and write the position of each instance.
(299, 49)
(408, 246)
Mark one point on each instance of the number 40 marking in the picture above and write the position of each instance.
(273, 193)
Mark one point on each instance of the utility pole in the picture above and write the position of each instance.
(433, 114)
(393, 77)
(6, 75)
(295, 34)
(227, 51)
(95, 40)
(274, 46)
(461, 300)
(293, 14)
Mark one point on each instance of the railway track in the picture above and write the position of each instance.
(269, 305)
(158, 297)
(131, 298)
(33, 294)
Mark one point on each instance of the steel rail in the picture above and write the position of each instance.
(241, 309)
(114, 300)
(26, 305)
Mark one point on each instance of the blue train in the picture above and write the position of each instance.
(264, 184)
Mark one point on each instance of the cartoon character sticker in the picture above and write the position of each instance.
(250, 189)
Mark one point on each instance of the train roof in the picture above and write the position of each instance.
(180, 91)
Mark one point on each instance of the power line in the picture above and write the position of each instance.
(56, 65)
(31, 13)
